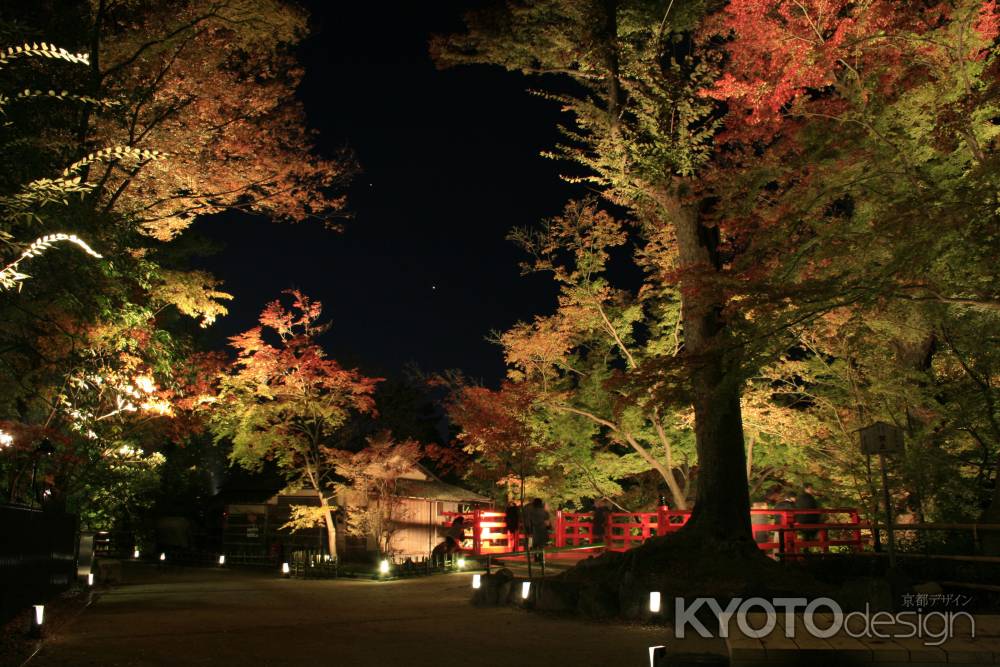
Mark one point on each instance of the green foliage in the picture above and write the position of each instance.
(844, 182)
(285, 402)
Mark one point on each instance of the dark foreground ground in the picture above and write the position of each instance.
(228, 617)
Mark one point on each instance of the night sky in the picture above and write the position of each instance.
(450, 162)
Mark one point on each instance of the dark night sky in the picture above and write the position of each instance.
(450, 163)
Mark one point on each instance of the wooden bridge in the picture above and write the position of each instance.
(776, 531)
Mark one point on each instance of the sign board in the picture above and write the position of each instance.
(881, 438)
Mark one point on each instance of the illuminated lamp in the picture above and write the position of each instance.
(90, 579)
(654, 602)
(477, 581)
(285, 569)
(461, 562)
(37, 618)
(222, 559)
(525, 589)
(163, 556)
(383, 567)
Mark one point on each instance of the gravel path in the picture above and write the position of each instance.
(228, 617)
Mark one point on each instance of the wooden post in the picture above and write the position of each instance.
(890, 533)
(876, 534)
(855, 534)
(560, 529)
(477, 520)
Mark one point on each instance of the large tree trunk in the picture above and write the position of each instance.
(331, 527)
(722, 504)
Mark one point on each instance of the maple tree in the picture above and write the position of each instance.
(643, 132)
(583, 359)
(85, 366)
(498, 429)
(774, 155)
(284, 400)
(374, 509)
(209, 88)
(213, 84)
(879, 121)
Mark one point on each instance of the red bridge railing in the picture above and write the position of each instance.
(782, 532)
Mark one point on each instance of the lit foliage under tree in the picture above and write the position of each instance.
(781, 160)
(284, 400)
(147, 104)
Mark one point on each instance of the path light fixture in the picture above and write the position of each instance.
(285, 569)
(163, 556)
(654, 602)
(135, 553)
(222, 559)
(37, 618)
(525, 589)
(461, 563)
(477, 581)
(383, 567)
(90, 579)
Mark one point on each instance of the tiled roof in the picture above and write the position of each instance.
(434, 489)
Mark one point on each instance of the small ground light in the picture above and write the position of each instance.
(477, 581)
(285, 569)
(525, 589)
(222, 559)
(37, 618)
(654, 602)
(461, 563)
(383, 567)
(90, 579)
(135, 553)
(163, 556)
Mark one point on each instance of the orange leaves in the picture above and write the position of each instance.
(208, 82)
(785, 55)
(383, 459)
(988, 21)
(296, 369)
(302, 316)
(781, 50)
(495, 424)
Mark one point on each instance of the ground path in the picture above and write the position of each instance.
(174, 616)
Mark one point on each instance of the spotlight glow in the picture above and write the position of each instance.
(525, 589)
(477, 581)
(39, 614)
(135, 553)
(285, 569)
(383, 567)
(654, 602)
(163, 556)
(461, 563)
(90, 579)
(222, 559)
